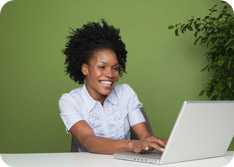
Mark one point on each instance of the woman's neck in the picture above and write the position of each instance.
(96, 96)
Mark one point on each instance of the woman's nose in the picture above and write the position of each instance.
(109, 73)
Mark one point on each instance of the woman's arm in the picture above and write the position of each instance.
(85, 135)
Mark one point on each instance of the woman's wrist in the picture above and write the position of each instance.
(129, 145)
(146, 137)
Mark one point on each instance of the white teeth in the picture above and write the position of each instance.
(106, 82)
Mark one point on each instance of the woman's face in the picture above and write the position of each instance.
(101, 73)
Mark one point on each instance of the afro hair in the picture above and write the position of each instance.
(82, 42)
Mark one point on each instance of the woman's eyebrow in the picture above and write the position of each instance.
(116, 65)
(103, 62)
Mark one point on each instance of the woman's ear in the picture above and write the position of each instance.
(84, 69)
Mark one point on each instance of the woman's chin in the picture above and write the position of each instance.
(106, 91)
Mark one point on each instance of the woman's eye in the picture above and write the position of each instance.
(116, 68)
(101, 67)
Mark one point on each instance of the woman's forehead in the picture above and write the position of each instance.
(104, 56)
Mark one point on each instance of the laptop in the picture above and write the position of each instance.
(203, 129)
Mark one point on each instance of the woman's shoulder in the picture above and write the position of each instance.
(124, 89)
(74, 93)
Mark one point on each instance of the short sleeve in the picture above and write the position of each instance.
(135, 107)
(68, 111)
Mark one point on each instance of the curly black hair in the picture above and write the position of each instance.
(83, 41)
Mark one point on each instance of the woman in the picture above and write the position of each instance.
(101, 112)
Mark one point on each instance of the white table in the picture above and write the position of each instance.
(97, 160)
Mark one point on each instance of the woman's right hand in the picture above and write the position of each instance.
(137, 146)
(141, 146)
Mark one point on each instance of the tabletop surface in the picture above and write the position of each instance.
(96, 160)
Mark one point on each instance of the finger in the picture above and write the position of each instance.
(139, 147)
(161, 142)
(145, 145)
(137, 150)
(151, 139)
(156, 147)
(157, 141)
(146, 148)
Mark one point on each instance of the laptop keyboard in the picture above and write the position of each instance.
(149, 157)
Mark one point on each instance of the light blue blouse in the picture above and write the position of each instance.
(120, 110)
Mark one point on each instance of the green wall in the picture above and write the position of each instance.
(163, 69)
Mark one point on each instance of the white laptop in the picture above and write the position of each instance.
(203, 129)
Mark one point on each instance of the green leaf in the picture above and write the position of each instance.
(197, 39)
(204, 68)
(171, 27)
(230, 84)
(202, 92)
(208, 93)
(182, 28)
(177, 32)
(229, 66)
(230, 41)
(207, 17)
(190, 28)
(203, 40)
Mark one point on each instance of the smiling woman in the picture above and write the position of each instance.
(100, 113)
(101, 73)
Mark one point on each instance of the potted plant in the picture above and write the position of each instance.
(215, 31)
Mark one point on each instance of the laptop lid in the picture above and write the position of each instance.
(203, 129)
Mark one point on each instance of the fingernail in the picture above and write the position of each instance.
(146, 148)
